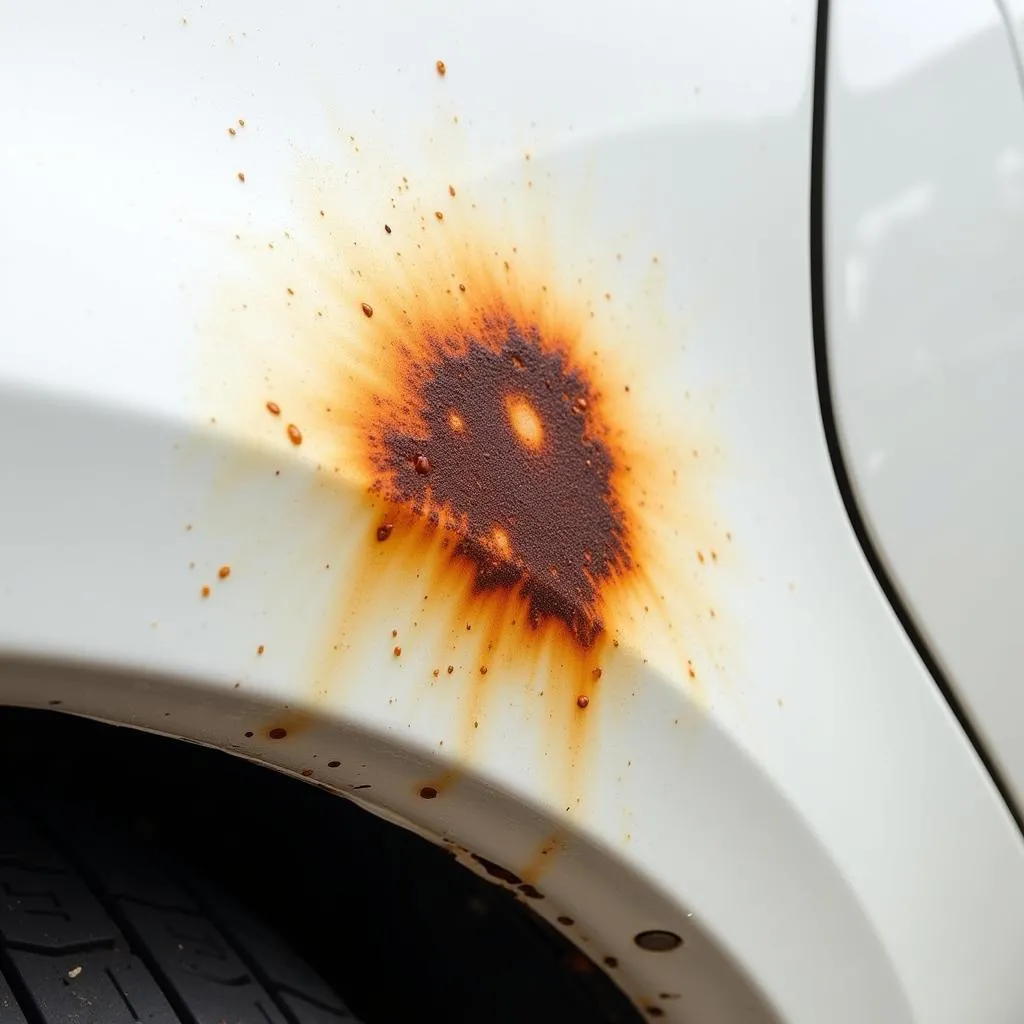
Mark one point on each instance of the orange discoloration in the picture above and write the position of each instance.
(503, 428)
(224, 572)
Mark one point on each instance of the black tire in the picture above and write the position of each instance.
(97, 929)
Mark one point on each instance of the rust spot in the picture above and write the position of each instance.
(497, 871)
(531, 891)
(260, 649)
(441, 69)
(398, 652)
(307, 772)
(520, 455)
(451, 191)
(277, 733)
(658, 941)
(654, 1011)
(205, 592)
(294, 434)
(224, 572)
(611, 961)
(439, 215)
(333, 764)
(428, 793)
(231, 131)
(241, 177)
(367, 310)
(568, 922)
(483, 670)
(273, 408)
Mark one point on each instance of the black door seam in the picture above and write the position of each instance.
(828, 420)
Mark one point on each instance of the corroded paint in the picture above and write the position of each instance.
(505, 474)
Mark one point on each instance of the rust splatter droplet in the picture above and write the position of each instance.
(387, 228)
(611, 961)
(483, 670)
(307, 772)
(422, 465)
(451, 669)
(428, 793)
(439, 215)
(277, 733)
(260, 649)
(398, 652)
(241, 177)
(273, 408)
(582, 701)
(205, 592)
(333, 764)
(294, 434)
(367, 309)
(384, 531)
(224, 572)
(451, 191)
(596, 674)
(531, 891)
(567, 921)
(231, 131)
(441, 69)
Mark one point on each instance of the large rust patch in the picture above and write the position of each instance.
(504, 451)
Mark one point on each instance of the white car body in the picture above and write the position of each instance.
(191, 209)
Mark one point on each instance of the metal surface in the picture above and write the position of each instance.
(729, 774)
(926, 302)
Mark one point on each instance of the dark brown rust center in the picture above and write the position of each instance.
(507, 451)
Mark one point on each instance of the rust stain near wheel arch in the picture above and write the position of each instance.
(499, 442)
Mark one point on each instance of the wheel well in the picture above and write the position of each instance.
(348, 890)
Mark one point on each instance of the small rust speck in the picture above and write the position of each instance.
(582, 701)
(422, 465)
(333, 764)
(241, 123)
(483, 670)
(231, 131)
(277, 733)
(531, 891)
(398, 652)
(567, 921)
(307, 772)
(367, 309)
(384, 531)
(441, 69)
(224, 572)
(654, 1011)
(439, 215)
(597, 673)
(260, 649)
(205, 591)
(436, 672)
(428, 793)
(387, 228)
(700, 557)
(248, 735)
(451, 669)
(462, 287)
(273, 408)
(451, 191)
(611, 961)
(294, 434)
(241, 177)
